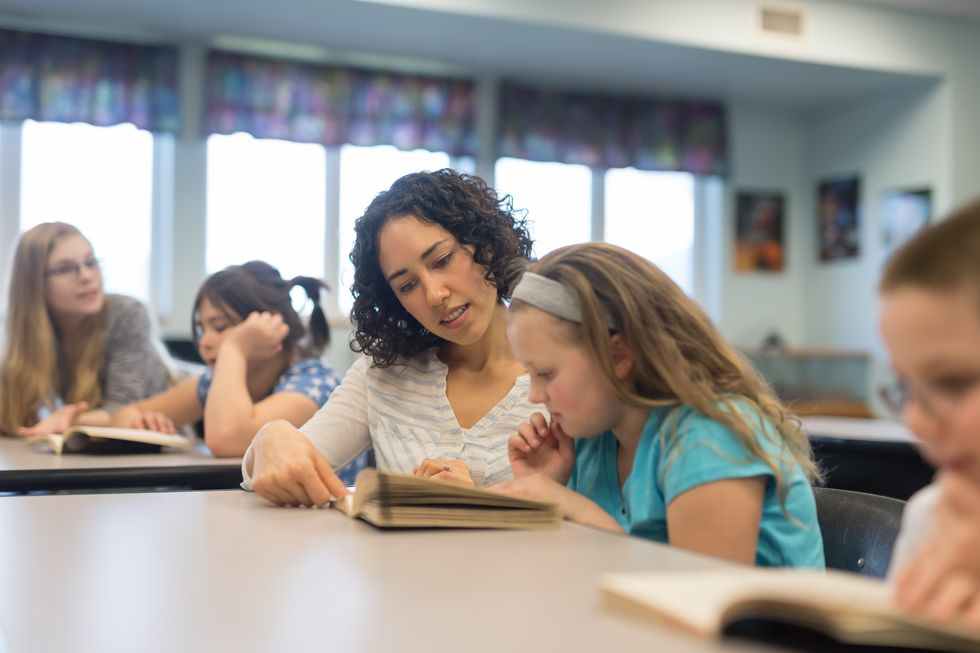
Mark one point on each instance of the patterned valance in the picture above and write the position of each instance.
(66, 79)
(606, 131)
(332, 105)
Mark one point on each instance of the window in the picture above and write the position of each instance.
(99, 179)
(557, 196)
(365, 172)
(652, 214)
(266, 200)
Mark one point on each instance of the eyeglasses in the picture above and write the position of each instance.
(938, 401)
(72, 269)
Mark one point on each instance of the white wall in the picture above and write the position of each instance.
(767, 146)
(897, 141)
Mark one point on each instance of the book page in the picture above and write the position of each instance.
(132, 435)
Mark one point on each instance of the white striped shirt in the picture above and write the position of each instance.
(403, 413)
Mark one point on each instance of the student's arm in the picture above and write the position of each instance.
(231, 419)
(61, 419)
(173, 408)
(132, 359)
(572, 505)
(720, 518)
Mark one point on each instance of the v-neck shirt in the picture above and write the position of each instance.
(680, 449)
(402, 412)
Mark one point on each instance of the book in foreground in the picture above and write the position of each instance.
(111, 440)
(390, 500)
(848, 608)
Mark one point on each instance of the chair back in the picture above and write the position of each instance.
(859, 529)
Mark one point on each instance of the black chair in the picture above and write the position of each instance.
(859, 530)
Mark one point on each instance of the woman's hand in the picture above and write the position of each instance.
(572, 505)
(56, 422)
(288, 470)
(444, 469)
(259, 337)
(942, 581)
(540, 448)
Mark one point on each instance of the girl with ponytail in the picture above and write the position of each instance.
(263, 363)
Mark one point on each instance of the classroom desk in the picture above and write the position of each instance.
(28, 467)
(868, 455)
(226, 571)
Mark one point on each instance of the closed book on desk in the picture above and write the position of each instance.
(111, 440)
(850, 609)
(389, 500)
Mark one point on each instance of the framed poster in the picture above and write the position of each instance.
(760, 244)
(903, 213)
(838, 218)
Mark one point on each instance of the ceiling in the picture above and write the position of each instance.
(956, 8)
(351, 30)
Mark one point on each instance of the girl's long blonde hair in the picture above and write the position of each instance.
(39, 364)
(679, 357)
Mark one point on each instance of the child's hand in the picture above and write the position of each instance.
(540, 448)
(153, 421)
(444, 469)
(259, 337)
(56, 422)
(131, 417)
(942, 582)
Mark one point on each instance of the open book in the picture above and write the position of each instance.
(848, 608)
(390, 500)
(111, 440)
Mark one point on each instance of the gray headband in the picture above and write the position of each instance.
(551, 297)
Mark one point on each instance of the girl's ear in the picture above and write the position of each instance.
(622, 356)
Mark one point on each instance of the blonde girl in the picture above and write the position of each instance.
(69, 346)
(261, 364)
(657, 427)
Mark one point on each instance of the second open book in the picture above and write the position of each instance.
(390, 500)
(848, 608)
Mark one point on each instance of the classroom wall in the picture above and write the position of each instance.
(897, 141)
(768, 153)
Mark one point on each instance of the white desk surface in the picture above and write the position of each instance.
(20, 455)
(226, 571)
(852, 428)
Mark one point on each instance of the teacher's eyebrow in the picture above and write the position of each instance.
(426, 254)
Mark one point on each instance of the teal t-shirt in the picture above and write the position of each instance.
(702, 451)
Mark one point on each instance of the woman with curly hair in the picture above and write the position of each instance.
(438, 390)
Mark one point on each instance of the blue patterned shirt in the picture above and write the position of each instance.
(308, 376)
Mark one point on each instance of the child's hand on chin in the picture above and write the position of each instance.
(540, 448)
(942, 581)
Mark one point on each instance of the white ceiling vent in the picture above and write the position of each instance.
(781, 21)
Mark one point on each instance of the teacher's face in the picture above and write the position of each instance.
(436, 279)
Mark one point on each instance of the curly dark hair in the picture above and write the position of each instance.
(467, 208)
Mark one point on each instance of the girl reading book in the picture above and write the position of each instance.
(658, 427)
(73, 353)
(261, 365)
(930, 319)
(439, 390)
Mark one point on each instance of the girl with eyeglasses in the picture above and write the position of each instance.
(73, 353)
(930, 320)
(263, 362)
